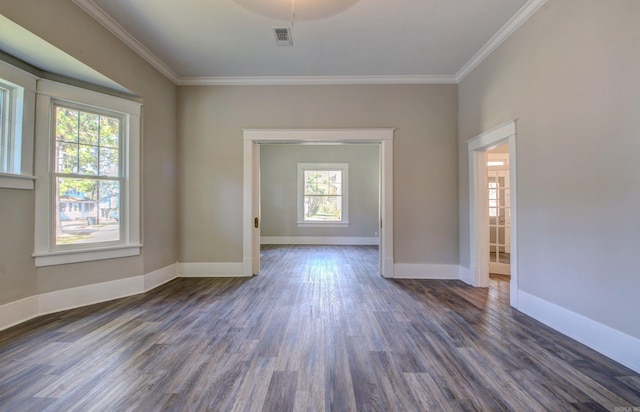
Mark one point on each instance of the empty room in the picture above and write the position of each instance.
(319, 205)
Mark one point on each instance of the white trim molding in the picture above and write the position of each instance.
(251, 167)
(161, 276)
(426, 271)
(46, 252)
(466, 274)
(312, 80)
(318, 240)
(503, 34)
(99, 15)
(64, 257)
(212, 270)
(11, 181)
(479, 207)
(20, 311)
(610, 342)
(72, 298)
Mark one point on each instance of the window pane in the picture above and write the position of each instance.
(109, 132)
(88, 160)
(87, 211)
(88, 132)
(323, 208)
(3, 143)
(66, 124)
(323, 182)
(314, 182)
(109, 162)
(66, 157)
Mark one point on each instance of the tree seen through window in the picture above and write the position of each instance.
(323, 195)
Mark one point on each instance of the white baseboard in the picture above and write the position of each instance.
(23, 310)
(318, 240)
(466, 275)
(87, 295)
(212, 270)
(612, 343)
(159, 277)
(19, 311)
(425, 271)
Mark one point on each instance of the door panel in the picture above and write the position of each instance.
(499, 220)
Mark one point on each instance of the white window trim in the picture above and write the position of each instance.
(344, 167)
(20, 132)
(45, 254)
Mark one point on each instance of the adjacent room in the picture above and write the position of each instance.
(319, 205)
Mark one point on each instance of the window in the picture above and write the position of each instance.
(17, 102)
(322, 194)
(88, 172)
(7, 108)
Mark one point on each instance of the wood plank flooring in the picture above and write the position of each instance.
(317, 330)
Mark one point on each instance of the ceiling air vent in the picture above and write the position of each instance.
(283, 36)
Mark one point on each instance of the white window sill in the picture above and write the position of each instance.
(10, 181)
(64, 257)
(323, 224)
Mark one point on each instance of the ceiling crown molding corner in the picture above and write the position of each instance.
(507, 30)
(110, 24)
(311, 80)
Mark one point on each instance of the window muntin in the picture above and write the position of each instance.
(322, 194)
(88, 176)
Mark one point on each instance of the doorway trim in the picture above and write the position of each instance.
(479, 208)
(251, 179)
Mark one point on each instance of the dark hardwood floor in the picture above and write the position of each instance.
(318, 329)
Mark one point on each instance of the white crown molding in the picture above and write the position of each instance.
(104, 19)
(312, 80)
(507, 30)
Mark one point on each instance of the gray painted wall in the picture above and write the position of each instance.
(66, 26)
(210, 123)
(569, 75)
(278, 187)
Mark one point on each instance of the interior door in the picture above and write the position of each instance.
(499, 220)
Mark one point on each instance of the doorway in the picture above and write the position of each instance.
(251, 191)
(479, 210)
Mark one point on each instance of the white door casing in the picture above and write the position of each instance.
(478, 205)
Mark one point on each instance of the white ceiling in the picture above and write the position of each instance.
(385, 41)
